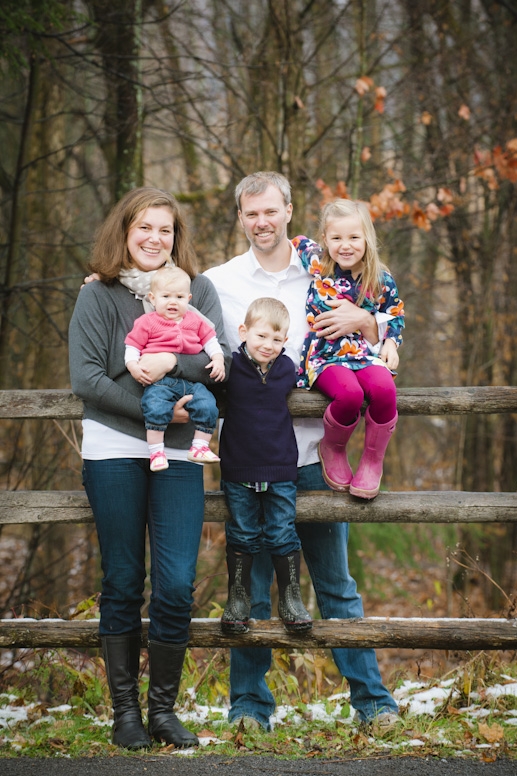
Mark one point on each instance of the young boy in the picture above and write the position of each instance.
(259, 467)
(173, 328)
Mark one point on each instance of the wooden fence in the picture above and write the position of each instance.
(23, 507)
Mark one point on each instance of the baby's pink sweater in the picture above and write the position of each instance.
(153, 334)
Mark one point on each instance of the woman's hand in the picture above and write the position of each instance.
(180, 414)
(344, 319)
(389, 354)
(157, 365)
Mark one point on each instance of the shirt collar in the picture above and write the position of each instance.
(295, 265)
(244, 350)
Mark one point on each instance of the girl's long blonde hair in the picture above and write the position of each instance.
(371, 280)
(110, 253)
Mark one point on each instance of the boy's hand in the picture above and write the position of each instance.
(216, 366)
(139, 373)
(389, 354)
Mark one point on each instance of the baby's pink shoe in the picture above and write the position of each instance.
(158, 461)
(202, 455)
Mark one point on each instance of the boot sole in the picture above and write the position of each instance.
(298, 627)
(232, 629)
(365, 494)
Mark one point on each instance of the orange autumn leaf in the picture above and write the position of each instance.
(491, 733)
(505, 164)
(341, 191)
(366, 154)
(464, 112)
(432, 211)
(419, 218)
(380, 96)
(488, 175)
(326, 191)
(444, 195)
(363, 85)
(426, 118)
(446, 210)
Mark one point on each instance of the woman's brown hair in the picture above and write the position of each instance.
(110, 253)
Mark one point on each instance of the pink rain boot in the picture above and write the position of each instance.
(367, 479)
(332, 451)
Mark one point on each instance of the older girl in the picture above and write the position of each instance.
(350, 369)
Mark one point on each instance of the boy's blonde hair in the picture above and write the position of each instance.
(272, 311)
(371, 281)
(167, 276)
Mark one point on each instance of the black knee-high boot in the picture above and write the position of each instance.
(165, 664)
(238, 607)
(290, 605)
(122, 660)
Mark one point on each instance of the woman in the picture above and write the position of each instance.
(143, 232)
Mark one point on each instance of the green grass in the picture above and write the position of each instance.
(54, 678)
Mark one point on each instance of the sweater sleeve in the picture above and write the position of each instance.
(392, 305)
(138, 337)
(309, 253)
(206, 300)
(90, 338)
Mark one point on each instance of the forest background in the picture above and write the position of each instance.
(408, 105)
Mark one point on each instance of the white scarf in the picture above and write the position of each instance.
(139, 283)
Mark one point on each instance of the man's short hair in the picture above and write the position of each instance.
(257, 183)
(272, 311)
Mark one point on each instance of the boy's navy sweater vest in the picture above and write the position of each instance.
(257, 438)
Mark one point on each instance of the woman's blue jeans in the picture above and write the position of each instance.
(126, 498)
(325, 551)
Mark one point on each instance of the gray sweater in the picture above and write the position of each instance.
(102, 318)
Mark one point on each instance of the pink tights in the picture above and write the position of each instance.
(348, 389)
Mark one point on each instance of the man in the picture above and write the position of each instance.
(271, 267)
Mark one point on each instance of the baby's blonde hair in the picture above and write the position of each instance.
(168, 276)
(272, 311)
(371, 281)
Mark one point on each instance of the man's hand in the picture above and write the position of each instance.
(216, 366)
(389, 354)
(140, 375)
(180, 414)
(157, 365)
(345, 318)
(90, 279)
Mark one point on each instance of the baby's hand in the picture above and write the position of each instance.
(140, 374)
(216, 366)
(389, 354)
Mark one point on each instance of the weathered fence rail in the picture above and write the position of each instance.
(26, 507)
(62, 404)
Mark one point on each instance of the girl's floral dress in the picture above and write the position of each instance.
(352, 351)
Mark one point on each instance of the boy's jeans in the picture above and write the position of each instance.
(325, 551)
(262, 520)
